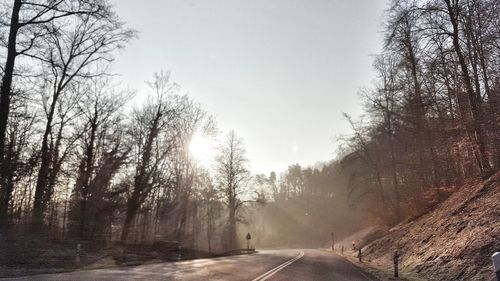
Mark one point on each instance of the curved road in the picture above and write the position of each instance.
(271, 265)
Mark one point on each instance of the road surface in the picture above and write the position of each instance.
(270, 265)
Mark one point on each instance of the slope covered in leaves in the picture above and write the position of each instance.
(453, 242)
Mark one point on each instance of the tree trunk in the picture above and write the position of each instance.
(129, 216)
(232, 228)
(42, 183)
(5, 95)
(5, 90)
(477, 115)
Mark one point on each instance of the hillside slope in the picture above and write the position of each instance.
(453, 242)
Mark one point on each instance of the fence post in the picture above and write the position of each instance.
(78, 253)
(496, 264)
(396, 262)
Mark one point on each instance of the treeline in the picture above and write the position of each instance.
(306, 204)
(432, 117)
(78, 161)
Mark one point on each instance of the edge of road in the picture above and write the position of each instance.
(47, 271)
(375, 271)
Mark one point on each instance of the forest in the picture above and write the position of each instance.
(83, 159)
(431, 124)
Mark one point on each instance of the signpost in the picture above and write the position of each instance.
(333, 242)
(249, 237)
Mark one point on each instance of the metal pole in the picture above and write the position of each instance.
(496, 264)
(333, 242)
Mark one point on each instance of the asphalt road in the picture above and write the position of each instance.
(271, 265)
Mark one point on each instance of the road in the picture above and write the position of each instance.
(270, 265)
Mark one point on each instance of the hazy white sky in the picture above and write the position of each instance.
(278, 72)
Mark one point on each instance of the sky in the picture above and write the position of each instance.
(278, 72)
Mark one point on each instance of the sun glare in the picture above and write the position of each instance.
(202, 149)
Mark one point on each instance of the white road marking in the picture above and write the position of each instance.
(273, 271)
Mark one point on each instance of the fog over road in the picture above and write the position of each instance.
(271, 265)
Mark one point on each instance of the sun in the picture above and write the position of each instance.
(202, 149)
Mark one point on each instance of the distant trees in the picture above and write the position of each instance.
(310, 203)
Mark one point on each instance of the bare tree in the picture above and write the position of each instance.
(454, 12)
(104, 149)
(210, 196)
(20, 159)
(153, 139)
(68, 56)
(232, 178)
(27, 24)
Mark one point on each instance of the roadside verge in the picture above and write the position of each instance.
(380, 272)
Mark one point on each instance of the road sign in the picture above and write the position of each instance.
(248, 240)
(333, 242)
